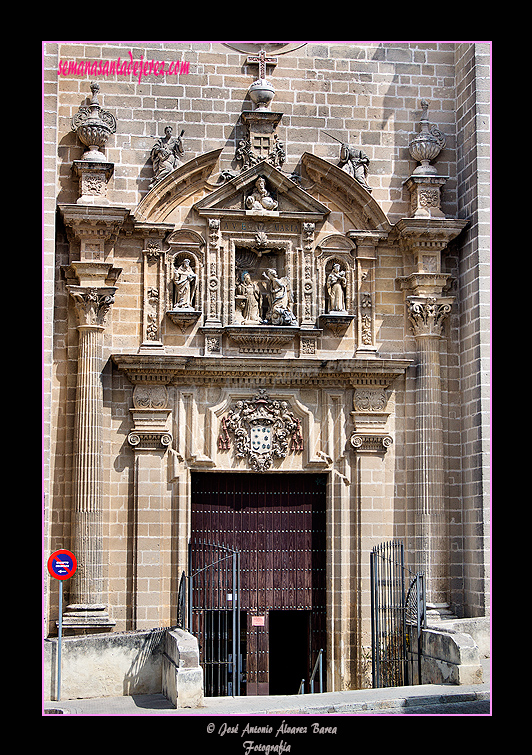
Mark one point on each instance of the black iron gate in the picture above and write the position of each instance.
(214, 614)
(397, 618)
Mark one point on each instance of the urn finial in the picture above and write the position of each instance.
(427, 145)
(94, 126)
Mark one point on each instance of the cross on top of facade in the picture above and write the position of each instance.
(262, 61)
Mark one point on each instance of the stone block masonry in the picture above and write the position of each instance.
(293, 249)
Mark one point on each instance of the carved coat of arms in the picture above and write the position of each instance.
(263, 429)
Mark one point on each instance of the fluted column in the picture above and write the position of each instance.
(426, 316)
(87, 608)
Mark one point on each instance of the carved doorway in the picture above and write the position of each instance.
(277, 523)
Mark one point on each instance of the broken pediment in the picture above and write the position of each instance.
(177, 187)
(262, 191)
(348, 194)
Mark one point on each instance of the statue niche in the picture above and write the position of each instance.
(336, 289)
(337, 295)
(263, 296)
(183, 291)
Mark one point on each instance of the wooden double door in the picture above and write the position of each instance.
(276, 522)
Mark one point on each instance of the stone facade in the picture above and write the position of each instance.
(310, 225)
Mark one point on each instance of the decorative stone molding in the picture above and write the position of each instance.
(93, 230)
(92, 304)
(369, 417)
(150, 417)
(371, 443)
(93, 180)
(366, 253)
(264, 429)
(428, 314)
(425, 196)
(263, 339)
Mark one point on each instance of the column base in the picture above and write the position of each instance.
(82, 616)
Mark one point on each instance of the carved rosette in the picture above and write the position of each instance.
(263, 430)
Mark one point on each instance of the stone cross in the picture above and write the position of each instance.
(262, 61)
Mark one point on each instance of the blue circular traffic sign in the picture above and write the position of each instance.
(62, 564)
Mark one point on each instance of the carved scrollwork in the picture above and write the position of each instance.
(92, 304)
(427, 315)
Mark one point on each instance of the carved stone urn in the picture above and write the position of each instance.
(427, 145)
(93, 126)
(261, 93)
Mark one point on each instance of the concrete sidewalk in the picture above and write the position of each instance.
(425, 699)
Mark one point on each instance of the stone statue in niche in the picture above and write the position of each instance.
(279, 299)
(260, 198)
(249, 298)
(185, 281)
(336, 283)
(165, 154)
(355, 162)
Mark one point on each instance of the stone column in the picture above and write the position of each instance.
(87, 607)
(427, 316)
(423, 241)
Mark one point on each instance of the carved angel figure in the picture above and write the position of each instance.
(250, 290)
(355, 162)
(279, 298)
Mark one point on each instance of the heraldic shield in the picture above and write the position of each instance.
(263, 429)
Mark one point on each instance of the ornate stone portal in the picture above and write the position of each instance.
(258, 351)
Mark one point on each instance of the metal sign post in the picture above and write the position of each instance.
(61, 565)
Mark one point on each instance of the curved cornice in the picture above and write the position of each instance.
(338, 186)
(166, 195)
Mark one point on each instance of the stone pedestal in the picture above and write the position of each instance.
(93, 179)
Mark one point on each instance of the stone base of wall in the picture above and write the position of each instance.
(452, 651)
(126, 663)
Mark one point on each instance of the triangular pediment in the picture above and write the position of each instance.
(284, 198)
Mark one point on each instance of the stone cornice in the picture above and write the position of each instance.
(312, 373)
(432, 232)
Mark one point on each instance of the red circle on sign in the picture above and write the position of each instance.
(62, 564)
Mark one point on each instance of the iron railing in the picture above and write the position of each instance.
(318, 667)
(214, 614)
(397, 617)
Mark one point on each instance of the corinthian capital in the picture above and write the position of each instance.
(428, 314)
(92, 304)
